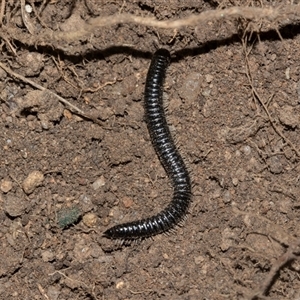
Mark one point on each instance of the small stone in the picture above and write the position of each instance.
(208, 107)
(273, 57)
(165, 256)
(53, 292)
(71, 283)
(227, 197)
(28, 8)
(275, 165)
(127, 201)
(75, 22)
(288, 116)
(67, 114)
(227, 155)
(34, 63)
(285, 206)
(287, 73)
(247, 150)
(43, 104)
(228, 237)
(14, 206)
(120, 284)
(209, 78)
(104, 113)
(235, 181)
(47, 256)
(199, 259)
(32, 181)
(98, 183)
(90, 219)
(241, 174)
(191, 87)
(5, 185)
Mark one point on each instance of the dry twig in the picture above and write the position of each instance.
(251, 13)
(283, 260)
(26, 19)
(278, 234)
(292, 243)
(2, 10)
(39, 87)
(256, 96)
(283, 12)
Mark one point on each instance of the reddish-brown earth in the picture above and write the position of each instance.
(233, 104)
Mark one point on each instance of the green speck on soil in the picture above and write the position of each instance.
(68, 216)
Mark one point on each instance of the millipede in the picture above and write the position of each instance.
(169, 156)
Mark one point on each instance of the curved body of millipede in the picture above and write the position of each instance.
(169, 156)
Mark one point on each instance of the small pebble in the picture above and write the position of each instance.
(5, 185)
(14, 206)
(32, 181)
(104, 113)
(228, 237)
(199, 259)
(227, 197)
(287, 73)
(273, 57)
(120, 284)
(191, 87)
(227, 155)
(28, 8)
(53, 292)
(47, 256)
(98, 183)
(247, 150)
(165, 256)
(67, 114)
(235, 181)
(127, 201)
(275, 165)
(209, 78)
(34, 63)
(90, 219)
(288, 116)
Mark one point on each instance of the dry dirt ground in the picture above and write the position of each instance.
(233, 93)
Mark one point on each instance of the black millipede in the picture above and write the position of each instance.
(169, 156)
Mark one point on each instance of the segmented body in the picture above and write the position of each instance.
(169, 156)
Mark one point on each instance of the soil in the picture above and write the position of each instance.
(232, 90)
